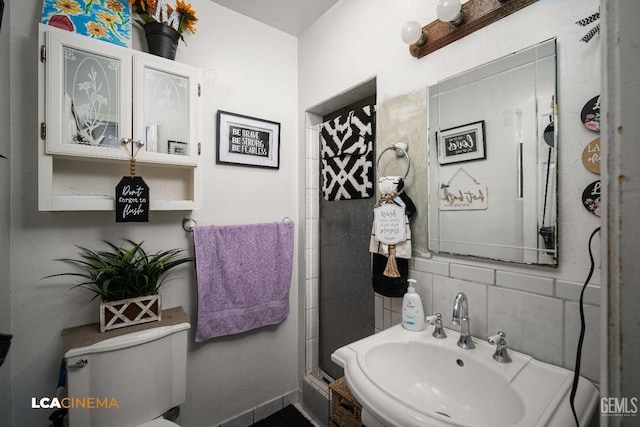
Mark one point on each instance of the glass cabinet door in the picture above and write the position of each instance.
(88, 85)
(165, 111)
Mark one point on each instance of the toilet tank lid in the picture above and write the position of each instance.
(128, 340)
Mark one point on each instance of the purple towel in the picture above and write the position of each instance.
(244, 275)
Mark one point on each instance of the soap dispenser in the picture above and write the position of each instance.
(412, 311)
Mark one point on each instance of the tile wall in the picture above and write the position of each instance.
(540, 315)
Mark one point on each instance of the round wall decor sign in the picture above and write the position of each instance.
(591, 197)
(591, 156)
(590, 114)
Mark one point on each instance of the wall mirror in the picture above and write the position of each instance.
(493, 160)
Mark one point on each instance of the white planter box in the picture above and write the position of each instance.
(129, 312)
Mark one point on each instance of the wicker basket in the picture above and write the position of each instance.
(345, 409)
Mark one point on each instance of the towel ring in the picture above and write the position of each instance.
(396, 149)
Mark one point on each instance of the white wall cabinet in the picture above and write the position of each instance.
(94, 95)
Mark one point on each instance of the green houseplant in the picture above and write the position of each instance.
(127, 280)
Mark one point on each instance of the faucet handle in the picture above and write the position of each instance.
(501, 355)
(438, 330)
(432, 319)
(497, 338)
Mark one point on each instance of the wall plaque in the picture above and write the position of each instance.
(132, 200)
(389, 223)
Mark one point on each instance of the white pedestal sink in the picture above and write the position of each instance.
(404, 379)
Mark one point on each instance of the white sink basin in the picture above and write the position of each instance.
(403, 378)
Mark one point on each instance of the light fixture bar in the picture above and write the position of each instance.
(478, 14)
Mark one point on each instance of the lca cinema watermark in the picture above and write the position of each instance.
(74, 402)
(619, 406)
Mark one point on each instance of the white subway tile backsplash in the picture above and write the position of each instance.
(386, 303)
(533, 324)
(525, 282)
(424, 288)
(396, 305)
(473, 274)
(379, 312)
(396, 318)
(572, 290)
(590, 361)
(430, 266)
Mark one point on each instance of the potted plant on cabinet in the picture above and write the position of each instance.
(164, 25)
(127, 280)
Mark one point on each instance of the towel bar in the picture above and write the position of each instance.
(189, 224)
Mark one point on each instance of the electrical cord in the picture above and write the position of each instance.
(576, 374)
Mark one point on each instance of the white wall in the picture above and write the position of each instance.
(250, 69)
(359, 39)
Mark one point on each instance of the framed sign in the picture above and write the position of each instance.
(248, 141)
(462, 143)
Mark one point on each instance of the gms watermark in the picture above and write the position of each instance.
(619, 406)
(74, 402)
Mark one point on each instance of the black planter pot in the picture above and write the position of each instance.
(162, 40)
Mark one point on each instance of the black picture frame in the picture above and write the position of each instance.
(462, 143)
(247, 141)
(1, 12)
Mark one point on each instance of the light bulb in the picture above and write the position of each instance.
(411, 32)
(448, 10)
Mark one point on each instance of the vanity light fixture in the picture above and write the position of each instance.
(450, 11)
(412, 33)
(455, 21)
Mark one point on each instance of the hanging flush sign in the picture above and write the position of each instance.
(463, 197)
(132, 200)
(389, 221)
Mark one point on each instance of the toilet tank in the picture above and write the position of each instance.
(128, 379)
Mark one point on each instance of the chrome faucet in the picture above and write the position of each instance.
(461, 318)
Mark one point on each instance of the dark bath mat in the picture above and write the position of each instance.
(289, 416)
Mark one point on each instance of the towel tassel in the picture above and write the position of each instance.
(391, 269)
